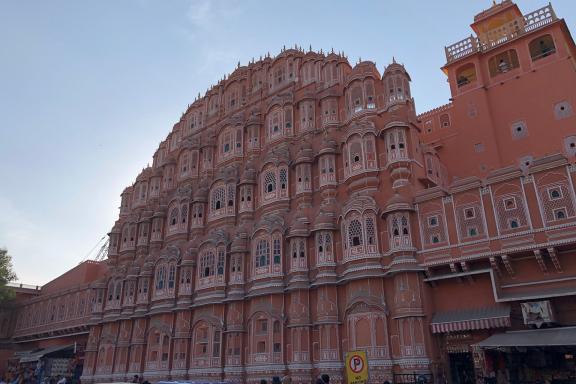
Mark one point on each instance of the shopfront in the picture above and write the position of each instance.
(458, 332)
(530, 356)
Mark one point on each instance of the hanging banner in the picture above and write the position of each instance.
(356, 367)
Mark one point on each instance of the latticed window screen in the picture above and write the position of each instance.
(355, 233)
(328, 244)
(432, 227)
(511, 212)
(355, 153)
(470, 220)
(395, 227)
(184, 213)
(557, 201)
(220, 266)
(283, 178)
(276, 251)
(320, 242)
(218, 198)
(231, 194)
(370, 233)
(171, 276)
(405, 229)
(269, 181)
(262, 253)
(174, 216)
(207, 264)
(160, 277)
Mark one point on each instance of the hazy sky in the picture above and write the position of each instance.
(89, 88)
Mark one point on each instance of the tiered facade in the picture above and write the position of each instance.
(301, 209)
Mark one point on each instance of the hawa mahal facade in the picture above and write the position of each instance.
(302, 209)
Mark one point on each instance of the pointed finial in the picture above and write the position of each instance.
(332, 51)
(393, 60)
(238, 64)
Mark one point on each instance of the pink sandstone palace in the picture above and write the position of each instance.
(302, 209)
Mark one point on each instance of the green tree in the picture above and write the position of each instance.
(7, 275)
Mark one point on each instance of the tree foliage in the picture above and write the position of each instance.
(7, 275)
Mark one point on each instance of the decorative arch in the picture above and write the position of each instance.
(359, 228)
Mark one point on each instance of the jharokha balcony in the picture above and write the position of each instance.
(502, 34)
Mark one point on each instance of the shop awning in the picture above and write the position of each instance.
(38, 354)
(471, 319)
(533, 338)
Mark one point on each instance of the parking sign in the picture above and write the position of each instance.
(356, 367)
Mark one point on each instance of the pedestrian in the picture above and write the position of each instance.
(286, 380)
(325, 378)
(135, 379)
(263, 381)
(276, 380)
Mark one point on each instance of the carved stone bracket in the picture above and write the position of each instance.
(540, 260)
(555, 260)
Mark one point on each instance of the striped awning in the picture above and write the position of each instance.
(471, 319)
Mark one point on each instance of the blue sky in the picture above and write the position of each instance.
(89, 89)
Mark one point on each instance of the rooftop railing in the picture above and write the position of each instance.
(498, 36)
(25, 286)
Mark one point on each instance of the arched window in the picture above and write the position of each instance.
(270, 182)
(355, 233)
(222, 201)
(160, 277)
(274, 181)
(211, 268)
(246, 198)
(218, 198)
(356, 98)
(541, 47)
(173, 217)
(466, 74)
(220, 265)
(370, 235)
(279, 122)
(262, 253)
(327, 170)
(283, 179)
(356, 155)
(207, 264)
(171, 276)
(399, 230)
(396, 144)
(197, 213)
(503, 62)
(184, 214)
(324, 247)
(184, 164)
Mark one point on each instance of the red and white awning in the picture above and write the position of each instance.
(471, 319)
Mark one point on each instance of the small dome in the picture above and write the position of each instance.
(145, 174)
(398, 203)
(328, 145)
(364, 69)
(396, 68)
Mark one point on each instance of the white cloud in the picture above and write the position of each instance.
(209, 15)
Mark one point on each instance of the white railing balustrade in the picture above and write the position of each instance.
(497, 36)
